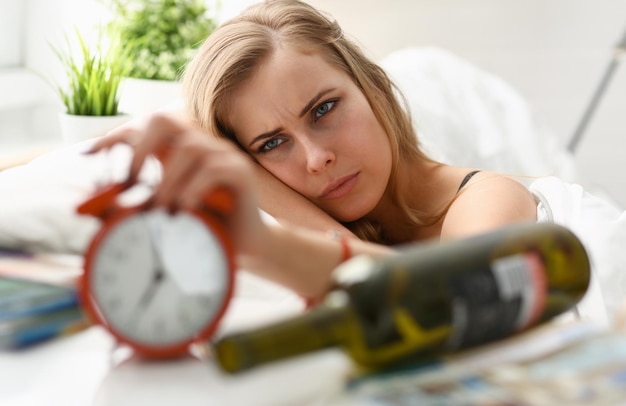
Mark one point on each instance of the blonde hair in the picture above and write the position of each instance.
(231, 54)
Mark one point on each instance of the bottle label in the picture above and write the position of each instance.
(489, 304)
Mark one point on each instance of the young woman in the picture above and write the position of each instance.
(290, 115)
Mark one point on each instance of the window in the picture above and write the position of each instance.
(27, 118)
(11, 34)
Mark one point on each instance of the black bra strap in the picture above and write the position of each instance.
(467, 178)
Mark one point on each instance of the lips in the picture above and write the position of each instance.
(340, 187)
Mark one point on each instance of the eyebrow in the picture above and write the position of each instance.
(304, 110)
(314, 100)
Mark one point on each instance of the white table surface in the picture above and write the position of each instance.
(86, 369)
(83, 369)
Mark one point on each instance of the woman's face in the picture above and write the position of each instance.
(308, 124)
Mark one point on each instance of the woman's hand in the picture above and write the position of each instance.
(194, 165)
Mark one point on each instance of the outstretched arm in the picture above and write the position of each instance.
(289, 207)
(194, 164)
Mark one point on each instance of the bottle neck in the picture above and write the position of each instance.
(322, 327)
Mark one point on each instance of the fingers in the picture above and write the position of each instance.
(194, 163)
(195, 167)
(180, 168)
(154, 137)
(224, 171)
(126, 135)
(159, 136)
(211, 174)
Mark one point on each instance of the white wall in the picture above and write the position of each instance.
(548, 49)
(28, 101)
(11, 18)
(29, 28)
(48, 22)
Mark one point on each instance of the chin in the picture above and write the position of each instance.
(347, 215)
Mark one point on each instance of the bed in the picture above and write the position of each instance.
(462, 114)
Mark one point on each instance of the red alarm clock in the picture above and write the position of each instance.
(158, 282)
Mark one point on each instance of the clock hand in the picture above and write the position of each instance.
(158, 275)
(148, 294)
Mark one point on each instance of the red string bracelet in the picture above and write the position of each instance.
(346, 254)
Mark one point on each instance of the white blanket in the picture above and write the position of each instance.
(601, 228)
(468, 117)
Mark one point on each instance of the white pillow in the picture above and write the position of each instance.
(468, 117)
(38, 208)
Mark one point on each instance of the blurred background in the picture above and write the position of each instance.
(553, 53)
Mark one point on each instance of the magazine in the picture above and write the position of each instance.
(38, 298)
(576, 363)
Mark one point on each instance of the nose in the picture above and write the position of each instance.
(318, 156)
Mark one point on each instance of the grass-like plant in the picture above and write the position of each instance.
(162, 35)
(93, 79)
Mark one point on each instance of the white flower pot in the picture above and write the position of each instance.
(141, 96)
(79, 128)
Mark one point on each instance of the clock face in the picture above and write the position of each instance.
(159, 279)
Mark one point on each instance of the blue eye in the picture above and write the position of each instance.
(270, 145)
(323, 108)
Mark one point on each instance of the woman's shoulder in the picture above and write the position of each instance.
(486, 201)
(494, 182)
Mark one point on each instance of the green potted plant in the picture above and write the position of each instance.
(91, 92)
(161, 35)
